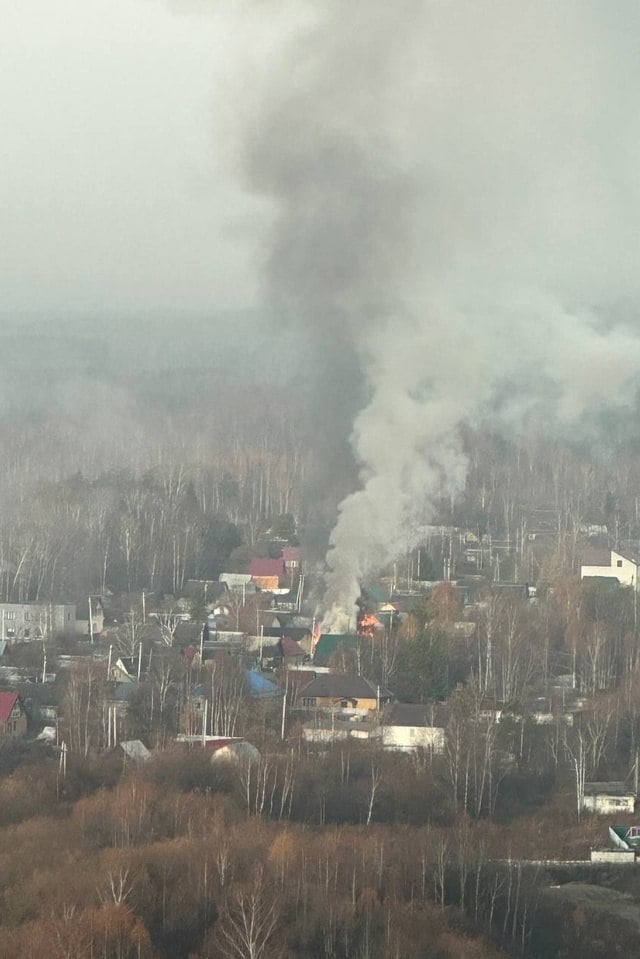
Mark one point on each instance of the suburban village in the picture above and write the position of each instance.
(241, 666)
(478, 719)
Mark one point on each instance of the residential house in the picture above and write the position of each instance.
(284, 652)
(23, 622)
(40, 701)
(300, 634)
(13, 716)
(188, 634)
(259, 687)
(122, 696)
(623, 566)
(125, 669)
(265, 567)
(95, 627)
(324, 729)
(331, 645)
(343, 692)
(408, 727)
(606, 799)
(291, 559)
(292, 653)
(135, 749)
(238, 583)
(267, 584)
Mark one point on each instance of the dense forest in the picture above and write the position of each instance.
(142, 469)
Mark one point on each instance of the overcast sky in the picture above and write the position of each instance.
(116, 169)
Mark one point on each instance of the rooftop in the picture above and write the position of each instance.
(343, 686)
(7, 702)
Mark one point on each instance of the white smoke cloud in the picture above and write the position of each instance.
(455, 197)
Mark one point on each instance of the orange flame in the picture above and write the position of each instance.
(368, 624)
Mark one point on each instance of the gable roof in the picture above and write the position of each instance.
(7, 702)
(608, 789)
(290, 647)
(627, 554)
(135, 749)
(127, 664)
(235, 580)
(266, 566)
(343, 686)
(259, 685)
(329, 643)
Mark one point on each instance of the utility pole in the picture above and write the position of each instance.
(204, 722)
(284, 706)
(90, 622)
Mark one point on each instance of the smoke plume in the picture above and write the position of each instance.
(455, 204)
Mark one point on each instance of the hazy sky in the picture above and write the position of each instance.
(443, 197)
(116, 173)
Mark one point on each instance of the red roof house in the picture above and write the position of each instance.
(291, 556)
(13, 718)
(266, 566)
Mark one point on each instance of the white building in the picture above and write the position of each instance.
(622, 566)
(23, 622)
(608, 798)
(409, 726)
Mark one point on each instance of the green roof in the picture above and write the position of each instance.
(329, 643)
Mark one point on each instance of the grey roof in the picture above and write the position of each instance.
(135, 749)
(235, 580)
(608, 789)
(343, 686)
(124, 692)
(186, 633)
(416, 714)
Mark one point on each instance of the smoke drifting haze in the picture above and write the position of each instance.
(441, 200)
(456, 204)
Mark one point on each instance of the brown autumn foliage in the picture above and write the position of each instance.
(150, 870)
(168, 863)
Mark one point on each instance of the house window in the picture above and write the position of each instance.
(27, 617)
(412, 734)
(619, 563)
(10, 614)
(309, 701)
